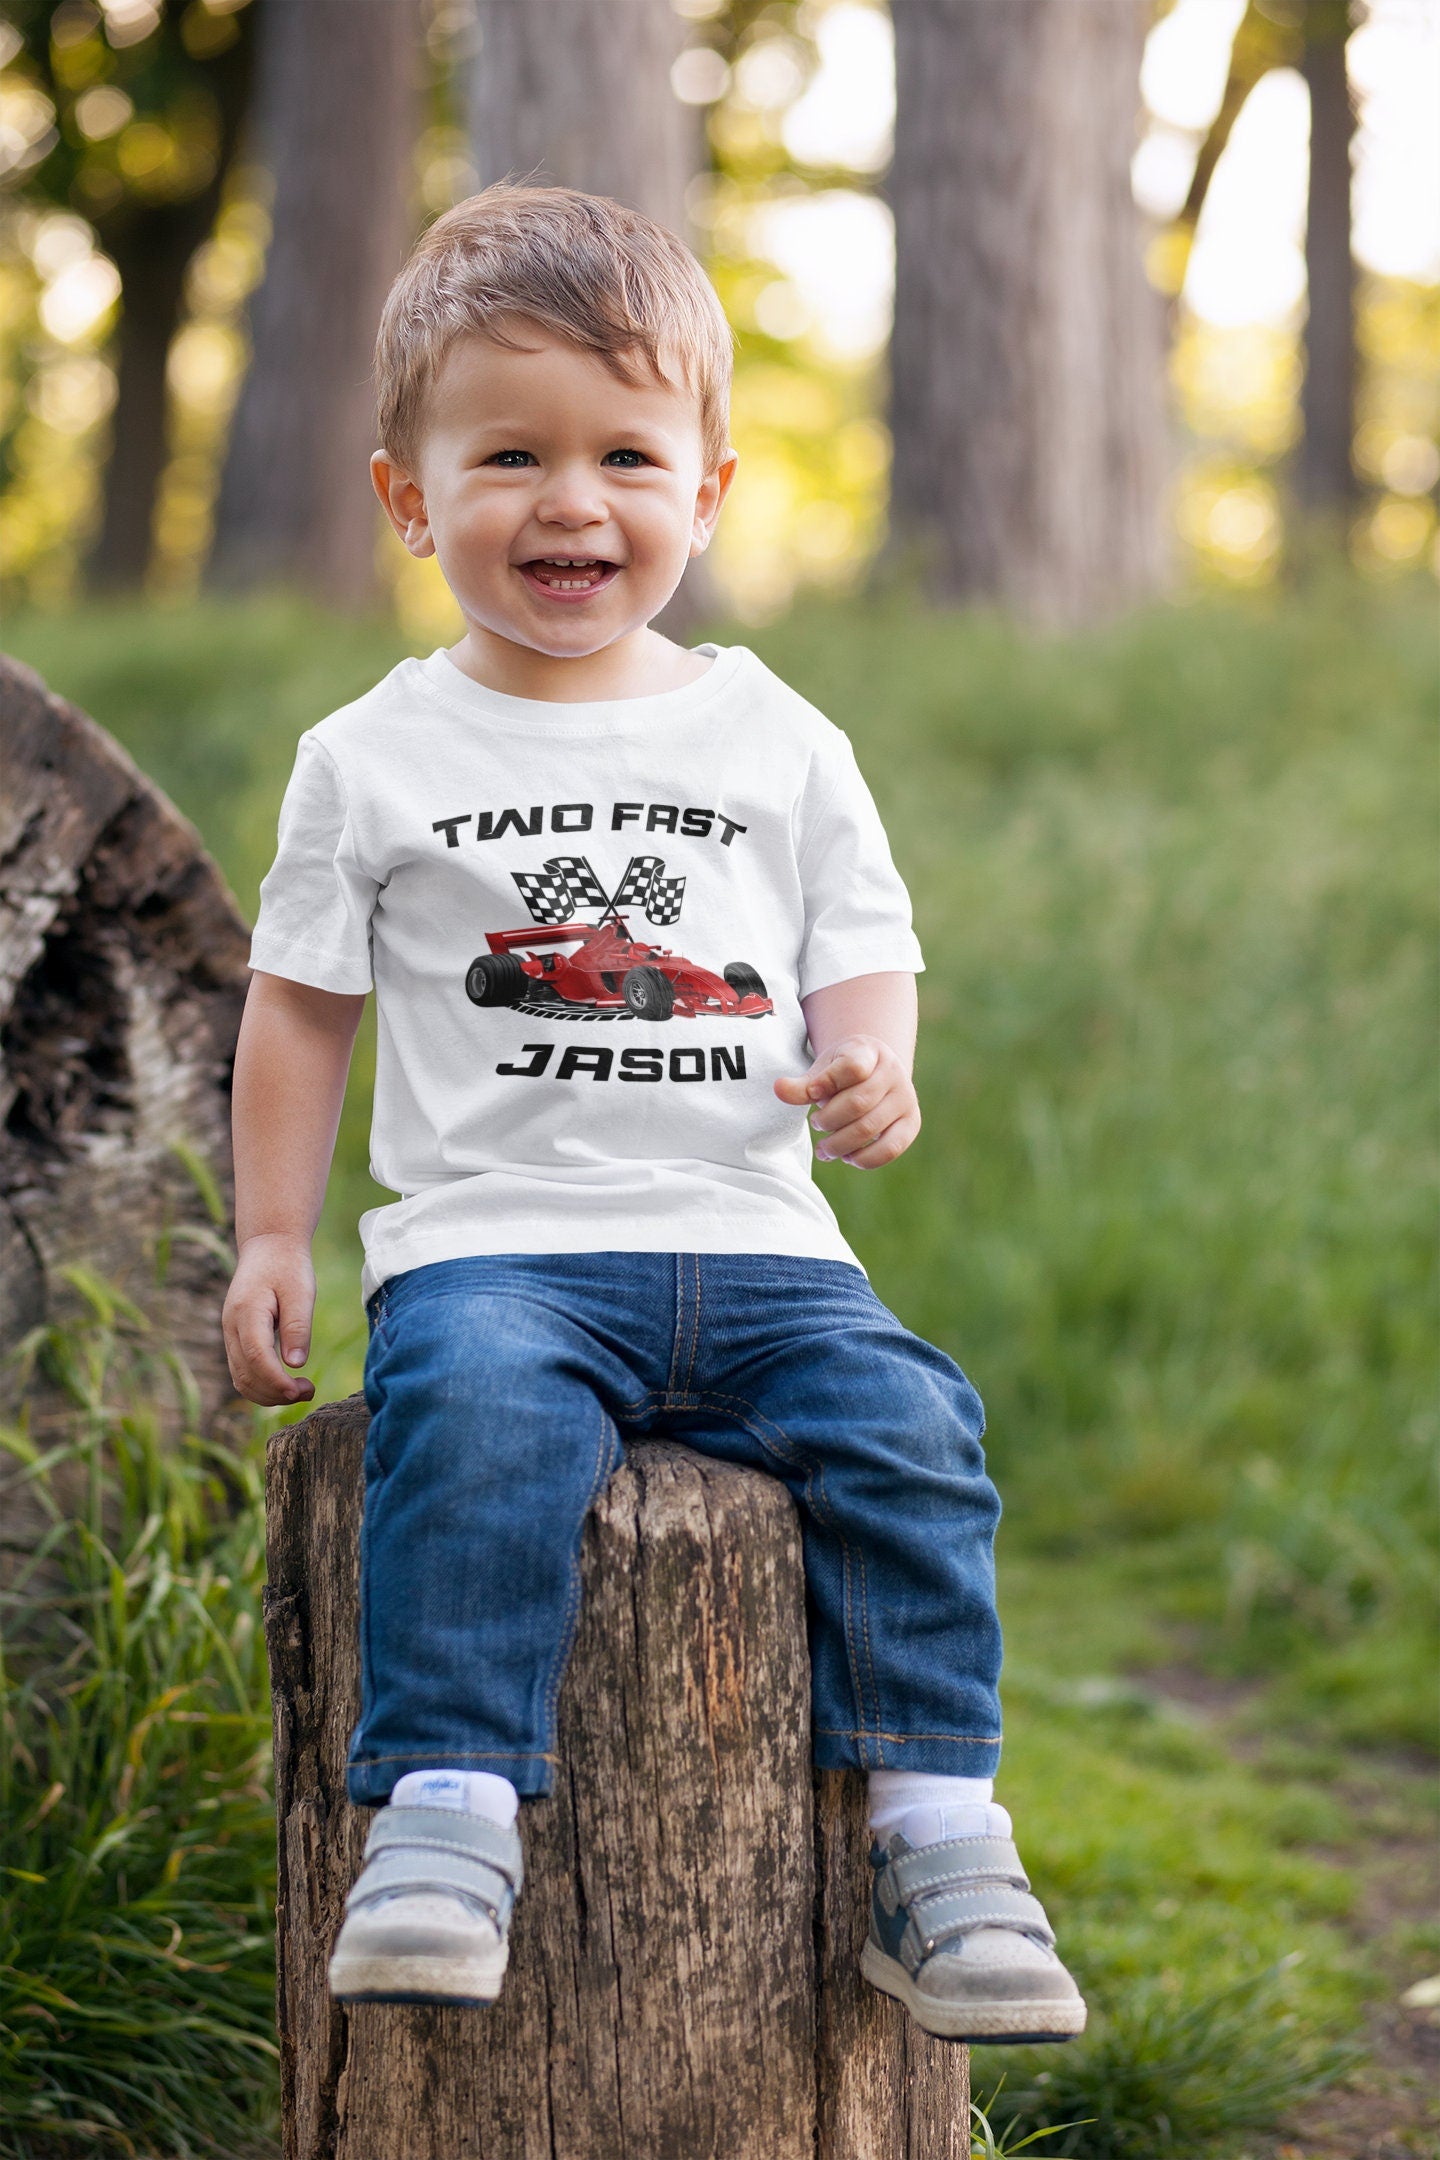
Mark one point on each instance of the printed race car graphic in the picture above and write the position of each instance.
(606, 975)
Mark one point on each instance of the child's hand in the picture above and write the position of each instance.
(870, 1112)
(272, 1295)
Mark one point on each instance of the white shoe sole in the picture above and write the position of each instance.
(1012, 2022)
(417, 1979)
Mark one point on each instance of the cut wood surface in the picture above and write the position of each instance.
(683, 1981)
(123, 966)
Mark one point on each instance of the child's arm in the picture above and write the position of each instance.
(863, 1035)
(290, 1068)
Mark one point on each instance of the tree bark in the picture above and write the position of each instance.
(1326, 475)
(573, 95)
(152, 259)
(337, 116)
(123, 966)
(151, 245)
(683, 1983)
(563, 93)
(1026, 364)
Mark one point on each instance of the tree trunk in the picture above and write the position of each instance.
(151, 245)
(567, 94)
(337, 116)
(571, 95)
(1260, 44)
(123, 965)
(683, 1981)
(152, 260)
(1026, 361)
(1326, 474)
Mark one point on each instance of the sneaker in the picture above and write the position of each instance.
(429, 1917)
(955, 1936)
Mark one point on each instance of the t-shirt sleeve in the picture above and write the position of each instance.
(316, 900)
(857, 911)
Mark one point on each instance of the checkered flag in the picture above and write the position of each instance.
(634, 888)
(584, 887)
(642, 886)
(567, 884)
(546, 894)
(557, 893)
(663, 905)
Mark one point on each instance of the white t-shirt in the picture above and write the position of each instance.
(546, 898)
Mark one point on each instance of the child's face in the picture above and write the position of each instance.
(563, 504)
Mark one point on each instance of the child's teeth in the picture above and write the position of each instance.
(591, 570)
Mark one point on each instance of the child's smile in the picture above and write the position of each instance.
(567, 578)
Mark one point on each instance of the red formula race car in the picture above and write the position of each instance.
(605, 974)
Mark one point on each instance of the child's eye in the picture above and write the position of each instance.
(511, 458)
(629, 460)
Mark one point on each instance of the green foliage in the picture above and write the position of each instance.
(1168, 2074)
(989, 2142)
(172, 86)
(136, 1830)
(1173, 1204)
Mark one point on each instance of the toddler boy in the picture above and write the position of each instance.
(631, 919)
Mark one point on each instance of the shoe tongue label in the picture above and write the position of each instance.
(931, 1825)
(440, 1788)
(463, 1792)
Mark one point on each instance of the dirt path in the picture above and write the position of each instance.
(1388, 2107)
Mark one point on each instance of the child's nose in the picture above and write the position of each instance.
(572, 499)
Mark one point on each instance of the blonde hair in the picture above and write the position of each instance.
(588, 270)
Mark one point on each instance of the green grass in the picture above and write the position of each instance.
(1172, 1209)
(136, 1828)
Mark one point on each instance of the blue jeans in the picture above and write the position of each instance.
(501, 1389)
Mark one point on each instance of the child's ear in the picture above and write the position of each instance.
(403, 502)
(712, 492)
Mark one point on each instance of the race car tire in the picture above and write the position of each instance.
(743, 980)
(649, 994)
(496, 979)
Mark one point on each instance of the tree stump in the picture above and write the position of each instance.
(683, 1981)
(123, 966)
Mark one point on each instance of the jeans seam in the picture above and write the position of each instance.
(366, 1627)
(471, 1754)
(573, 1596)
(842, 1732)
(694, 1325)
(679, 1322)
(815, 1491)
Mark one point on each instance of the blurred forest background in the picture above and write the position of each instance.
(1088, 402)
(149, 151)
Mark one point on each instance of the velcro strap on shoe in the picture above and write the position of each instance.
(959, 1912)
(398, 1868)
(959, 1861)
(432, 1830)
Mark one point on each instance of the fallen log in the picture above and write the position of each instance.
(683, 1981)
(123, 966)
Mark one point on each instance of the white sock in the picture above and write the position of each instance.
(464, 1792)
(926, 1808)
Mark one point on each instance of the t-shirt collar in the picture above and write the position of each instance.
(495, 709)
